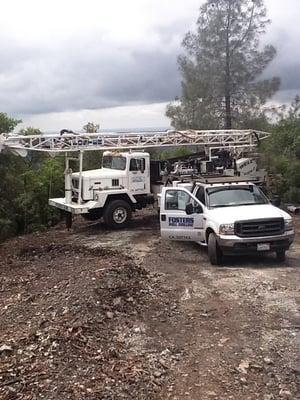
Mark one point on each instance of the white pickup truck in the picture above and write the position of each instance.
(229, 216)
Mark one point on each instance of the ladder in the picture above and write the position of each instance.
(238, 140)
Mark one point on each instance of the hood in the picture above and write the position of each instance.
(227, 215)
(101, 173)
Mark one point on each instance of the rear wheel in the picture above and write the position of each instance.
(280, 255)
(214, 251)
(117, 214)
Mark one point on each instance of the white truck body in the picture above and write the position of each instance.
(124, 177)
(228, 228)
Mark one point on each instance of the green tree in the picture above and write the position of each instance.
(10, 183)
(38, 186)
(221, 67)
(7, 124)
(25, 186)
(90, 127)
(30, 131)
(171, 153)
(92, 159)
(281, 154)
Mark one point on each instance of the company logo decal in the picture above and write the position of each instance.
(137, 179)
(181, 221)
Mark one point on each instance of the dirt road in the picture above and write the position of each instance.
(96, 314)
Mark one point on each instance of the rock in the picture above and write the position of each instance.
(163, 363)
(157, 374)
(5, 348)
(268, 397)
(256, 366)
(285, 394)
(110, 314)
(268, 361)
(117, 301)
(243, 366)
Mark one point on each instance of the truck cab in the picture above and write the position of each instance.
(228, 215)
(120, 170)
(113, 192)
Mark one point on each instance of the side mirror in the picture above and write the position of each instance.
(189, 209)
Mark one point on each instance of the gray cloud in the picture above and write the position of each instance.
(94, 75)
(91, 72)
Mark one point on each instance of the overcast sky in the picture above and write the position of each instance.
(66, 62)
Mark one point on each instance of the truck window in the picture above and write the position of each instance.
(177, 200)
(137, 164)
(201, 194)
(114, 162)
(228, 196)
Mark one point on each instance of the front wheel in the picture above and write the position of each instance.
(214, 251)
(280, 255)
(117, 214)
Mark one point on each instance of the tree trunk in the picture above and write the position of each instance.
(228, 122)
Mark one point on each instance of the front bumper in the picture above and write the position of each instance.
(73, 208)
(236, 245)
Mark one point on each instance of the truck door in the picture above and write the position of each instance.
(181, 215)
(137, 175)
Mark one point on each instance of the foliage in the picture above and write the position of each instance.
(172, 153)
(221, 68)
(7, 124)
(90, 127)
(92, 160)
(11, 185)
(281, 154)
(283, 111)
(38, 186)
(25, 186)
(30, 131)
(24, 193)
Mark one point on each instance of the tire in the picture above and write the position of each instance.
(117, 214)
(214, 251)
(280, 255)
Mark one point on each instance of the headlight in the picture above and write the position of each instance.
(226, 229)
(288, 224)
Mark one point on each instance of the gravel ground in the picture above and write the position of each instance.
(98, 314)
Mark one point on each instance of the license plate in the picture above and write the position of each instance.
(263, 246)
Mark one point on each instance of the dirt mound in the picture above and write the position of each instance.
(55, 250)
(70, 322)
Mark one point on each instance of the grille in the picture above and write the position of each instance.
(259, 227)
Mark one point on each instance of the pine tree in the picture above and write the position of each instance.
(221, 67)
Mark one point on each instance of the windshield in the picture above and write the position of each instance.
(229, 196)
(114, 162)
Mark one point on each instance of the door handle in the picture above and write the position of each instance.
(163, 217)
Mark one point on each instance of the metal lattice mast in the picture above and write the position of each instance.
(233, 139)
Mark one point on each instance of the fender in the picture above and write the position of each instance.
(210, 226)
(101, 196)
